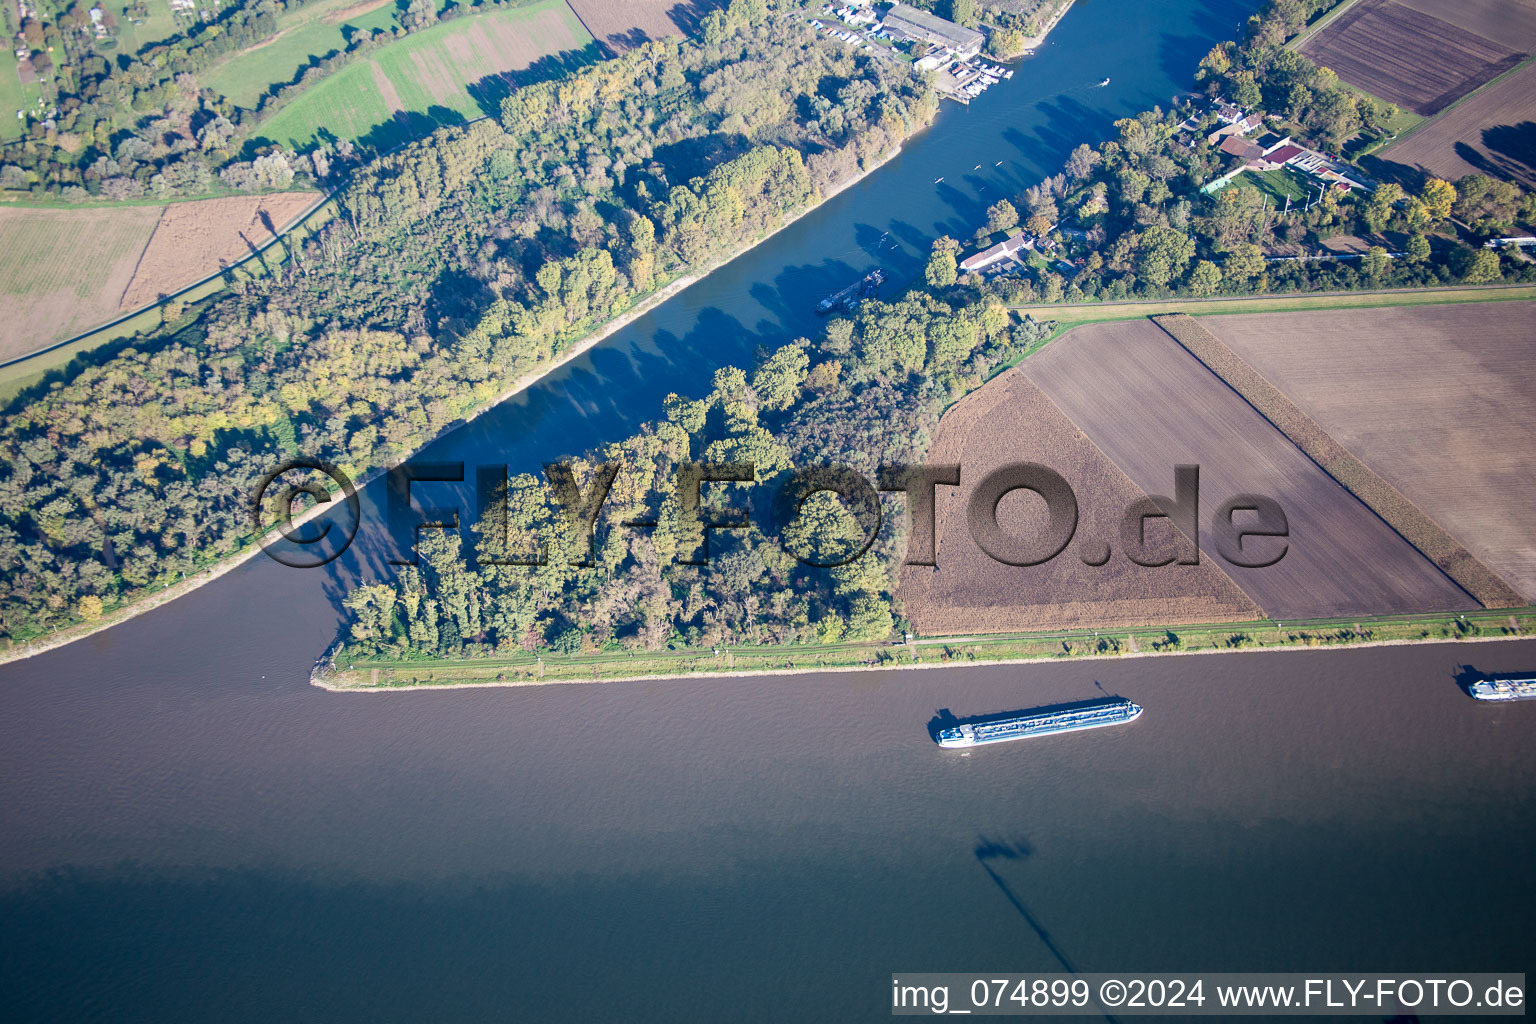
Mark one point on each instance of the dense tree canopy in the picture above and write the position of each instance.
(456, 266)
(800, 408)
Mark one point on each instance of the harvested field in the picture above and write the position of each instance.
(193, 240)
(1359, 479)
(620, 25)
(1408, 57)
(1494, 133)
(454, 71)
(1440, 401)
(64, 271)
(1010, 420)
(1511, 22)
(1150, 405)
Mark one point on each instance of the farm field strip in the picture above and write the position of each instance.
(303, 33)
(429, 76)
(1439, 401)
(1406, 56)
(1486, 125)
(193, 240)
(620, 25)
(1406, 518)
(63, 270)
(1150, 406)
(1009, 420)
(1511, 22)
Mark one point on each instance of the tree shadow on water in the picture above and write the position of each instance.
(987, 853)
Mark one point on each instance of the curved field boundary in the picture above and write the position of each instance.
(1487, 586)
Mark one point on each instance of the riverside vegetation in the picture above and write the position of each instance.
(1130, 219)
(148, 124)
(882, 376)
(869, 393)
(454, 268)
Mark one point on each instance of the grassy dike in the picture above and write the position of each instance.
(385, 676)
(1074, 314)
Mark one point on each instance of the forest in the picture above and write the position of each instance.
(130, 126)
(457, 265)
(867, 395)
(1128, 218)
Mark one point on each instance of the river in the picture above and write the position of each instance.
(192, 832)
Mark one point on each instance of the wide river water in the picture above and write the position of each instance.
(190, 831)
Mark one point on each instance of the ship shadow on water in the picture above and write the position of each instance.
(1466, 675)
(988, 852)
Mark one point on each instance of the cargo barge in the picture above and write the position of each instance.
(848, 298)
(1523, 688)
(1044, 721)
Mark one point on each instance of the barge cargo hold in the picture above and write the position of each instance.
(1041, 722)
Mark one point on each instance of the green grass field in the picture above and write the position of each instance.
(1278, 185)
(304, 34)
(160, 24)
(13, 96)
(1175, 638)
(446, 74)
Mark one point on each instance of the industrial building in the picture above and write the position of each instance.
(908, 21)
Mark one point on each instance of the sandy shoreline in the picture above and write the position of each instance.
(1034, 41)
(239, 558)
(320, 683)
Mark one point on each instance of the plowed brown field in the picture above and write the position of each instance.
(195, 239)
(1408, 57)
(1510, 22)
(621, 25)
(1494, 132)
(1010, 420)
(1440, 401)
(1149, 405)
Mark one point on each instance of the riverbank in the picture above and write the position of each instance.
(214, 570)
(1034, 41)
(380, 676)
